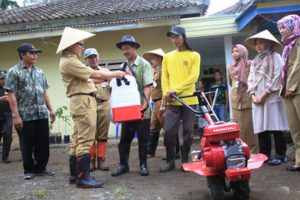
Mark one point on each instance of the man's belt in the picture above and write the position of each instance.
(101, 100)
(155, 100)
(89, 94)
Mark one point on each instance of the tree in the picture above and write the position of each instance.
(5, 4)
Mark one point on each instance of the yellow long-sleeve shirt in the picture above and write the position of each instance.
(180, 71)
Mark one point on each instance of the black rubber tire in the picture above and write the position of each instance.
(215, 187)
(241, 190)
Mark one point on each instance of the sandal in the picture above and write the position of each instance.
(293, 168)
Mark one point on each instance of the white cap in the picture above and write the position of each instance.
(90, 51)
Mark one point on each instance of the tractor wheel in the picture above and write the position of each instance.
(215, 187)
(241, 190)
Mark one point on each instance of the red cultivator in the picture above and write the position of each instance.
(224, 158)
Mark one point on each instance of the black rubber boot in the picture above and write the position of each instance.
(184, 153)
(84, 180)
(170, 162)
(153, 141)
(72, 165)
(143, 160)
(177, 150)
(123, 167)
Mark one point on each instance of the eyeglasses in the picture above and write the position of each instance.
(80, 44)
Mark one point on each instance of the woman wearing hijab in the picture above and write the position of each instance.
(241, 107)
(289, 28)
(268, 114)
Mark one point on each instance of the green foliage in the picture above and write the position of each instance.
(61, 115)
(41, 193)
(119, 189)
(5, 4)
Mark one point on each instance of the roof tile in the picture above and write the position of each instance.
(61, 9)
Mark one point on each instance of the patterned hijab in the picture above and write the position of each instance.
(291, 23)
(240, 68)
(263, 65)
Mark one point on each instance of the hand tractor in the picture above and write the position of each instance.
(224, 159)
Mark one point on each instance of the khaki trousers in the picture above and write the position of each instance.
(83, 110)
(244, 120)
(292, 107)
(103, 120)
(156, 123)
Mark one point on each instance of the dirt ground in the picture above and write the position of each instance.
(267, 183)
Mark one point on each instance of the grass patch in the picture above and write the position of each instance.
(118, 189)
(41, 193)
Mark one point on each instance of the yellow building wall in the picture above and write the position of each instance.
(149, 38)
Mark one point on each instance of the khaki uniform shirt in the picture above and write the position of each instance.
(75, 75)
(156, 92)
(245, 101)
(293, 71)
(103, 89)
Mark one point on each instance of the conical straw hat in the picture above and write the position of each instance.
(266, 35)
(158, 52)
(71, 36)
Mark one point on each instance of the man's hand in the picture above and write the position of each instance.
(52, 117)
(18, 122)
(168, 97)
(144, 107)
(119, 74)
(289, 94)
(161, 112)
(4, 98)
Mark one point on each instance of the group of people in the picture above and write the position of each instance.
(85, 86)
(265, 91)
(264, 100)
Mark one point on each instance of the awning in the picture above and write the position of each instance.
(270, 11)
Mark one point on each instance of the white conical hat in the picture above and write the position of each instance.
(158, 52)
(71, 36)
(266, 35)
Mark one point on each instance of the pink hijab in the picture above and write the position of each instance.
(240, 69)
(291, 23)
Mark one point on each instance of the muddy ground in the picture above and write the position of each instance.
(267, 183)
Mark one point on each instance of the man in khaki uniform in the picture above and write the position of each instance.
(81, 90)
(98, 149)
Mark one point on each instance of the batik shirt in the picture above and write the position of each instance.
(29, 86)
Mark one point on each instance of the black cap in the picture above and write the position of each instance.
(2, 74)
(25, 47)
(176, 30)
